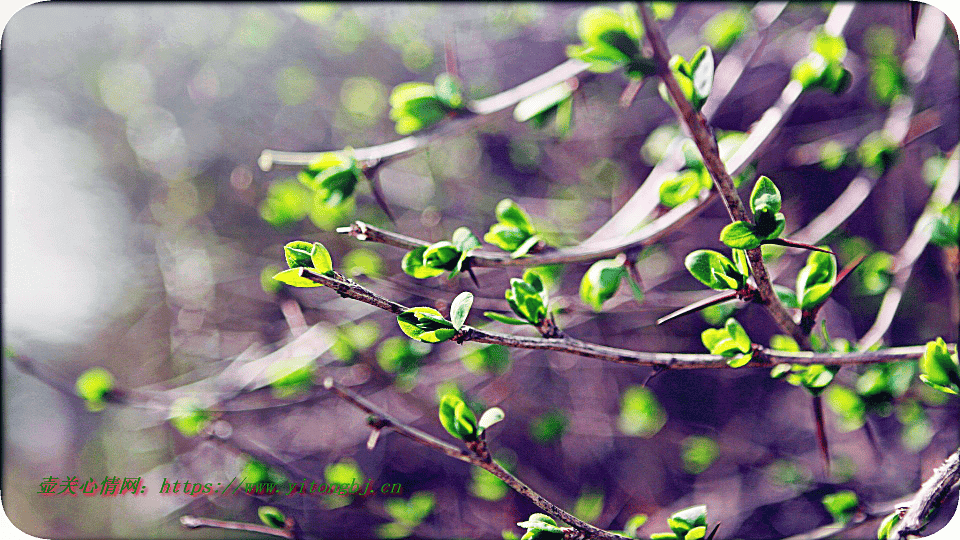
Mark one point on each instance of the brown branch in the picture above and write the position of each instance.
(478, 456)
(288, 531)
(928, 499)
(567, 344)
(706, 142)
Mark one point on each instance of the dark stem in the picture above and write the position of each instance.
(821, 432)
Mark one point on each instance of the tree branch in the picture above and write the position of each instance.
(288, 531)
(706, 142)
(764, 357)
(479, 457)
(928, 499)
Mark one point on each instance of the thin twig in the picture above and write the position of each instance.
(480, 457)
(706, 142)
(194, 522)
(764, 358)
(928, 499)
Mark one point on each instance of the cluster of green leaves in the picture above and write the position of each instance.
(512, 232)
(814, 377)
(939, 368)
(406, 514)
(188, 416)
(823, 67)
(460, 421)
(694, 77)
(602, 280)
(93, 385)
(271, 516)
(767, 224)
(694, 177)
(416, 106)
(875, 390)
(841, 505)
(887, 79)
(425, 324)
(439, 257)
(527, 298)
(687, 524)
(332, 177)
(541, 527)
(300, 254)
(816, 280)
(946, 226)
(554, 104)
(730, 341)
(611, 40)
(716, 271)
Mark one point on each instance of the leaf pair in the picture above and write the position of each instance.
(332, 177)
(512, 231)
(610, 40)
(730, 341)
(527, 298)
(823, 67)
(716, 271)
(687, 524)
(541, 527)
(93, 385)
(426, 324)
(300, 254)
(443, 256)
(816, 280)
(459, 421)
(602, 281)
(416, 106)
(767, 224)
(554, 103)
(694, 77)
(940, 369)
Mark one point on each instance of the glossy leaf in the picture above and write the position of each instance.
(425, 324)
(490, 417)
(459, 309)
(702, 67)
(946, 226)
(601, 282)
(815, 281)
(681, 188)
(294, 277)
(765, 196)
(412, 264)
(504, 318)
(272, 517)
(939, 369)
(714, 270)
(740, 235)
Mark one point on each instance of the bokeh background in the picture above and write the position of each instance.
(139, 235)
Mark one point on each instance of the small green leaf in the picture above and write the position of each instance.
(740, 361)
(640, 413)
(696, 533)
(490, 417)
(633, 524)
(525, 247)
(787, 297)
(425, 324)
(460, 308)
(680, 189)
(92, 385)
(683, 521)
(714, 270)
(506, 237)
(815, 280)
(448, 418)
(765, 196)
(601, 282)
(412, 264)
(887, 525)
(938, 368)
(946, 226)
(299, 254)
(188, 417)
(442, 255)
(294, 277)
(738, 334)
(504, 318)
(272, 517)
(466, 422)
(841, 505)
(464, 240)
(740, 235)
(702, 74)
(320, 258)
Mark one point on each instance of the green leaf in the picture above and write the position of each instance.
(525, 247)
(294, 278)
(600, 282)
(448, 416)
(815, 280)
(640, 413)
(740, 361)
(832, 48)
(510, 213)
(506, 237)
(740, 235)
(815, 295)
(787, 297)
(92, 385)
(539, 103)
(698, 453)
(738, 334)
(412, 264)
(466, 422)
(938, 368)
(680, 189)
(490, 417)
(425, 324)
(887, 525)
(741, 261)
(442, 255)
(713, 270)
(724, 28)
(765, 196)
(504, 318)
(702, 67)
(320, 258)
(841, 505)
(299, 254)
(460, 308)
(464, 240)
(608, 31)
(696, 533)
(272, 517)
(683, 521)
(946, 226)
(633, 524)
(449, 90)
(188, 416)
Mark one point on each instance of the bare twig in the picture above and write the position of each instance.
(928, 499)
(478, 456)
(287, 532)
